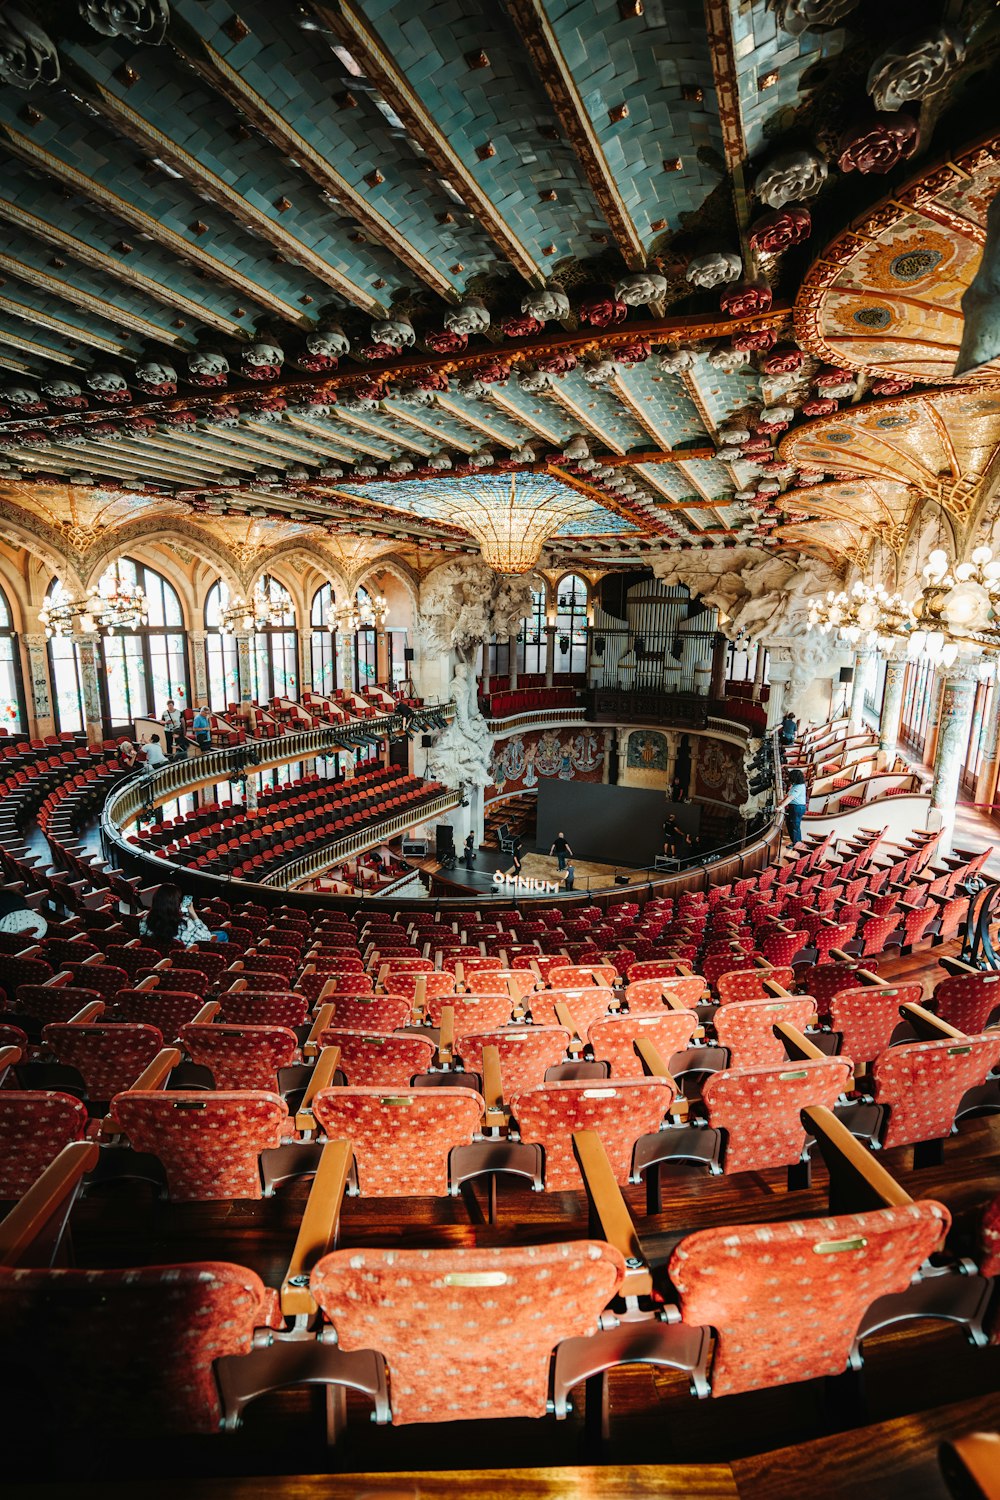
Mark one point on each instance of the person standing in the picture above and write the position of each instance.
(795, 805)
(516, 857)
(203, 728)
(789, 728)
(560, 848)
(469, 852)
(570, 880)
(172, 722)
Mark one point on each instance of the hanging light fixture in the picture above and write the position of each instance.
(511, 519)
(249, 615)
(354, 615)
(957, 608)
(869, 615)
(124, 607)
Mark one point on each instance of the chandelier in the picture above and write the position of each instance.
(957, 607)
(354, 615)
(249, 615)
(868, 614)
(511, 519)
(96, 614)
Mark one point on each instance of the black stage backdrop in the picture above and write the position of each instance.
(614, 825)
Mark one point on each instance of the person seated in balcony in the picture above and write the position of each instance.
(127, 754)
(154, 753)
(172, 918)
(203, 728)
(789, 728)
(795, 805)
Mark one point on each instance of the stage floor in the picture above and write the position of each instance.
(590, 876)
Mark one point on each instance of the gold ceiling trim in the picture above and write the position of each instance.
(26, 150)
(374, 58)
(538, 36)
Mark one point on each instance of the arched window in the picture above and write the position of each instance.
(64, 670)
(221, 651)
(146, 666)
(365, 648)
(12, 712)
(274, 660)
(534, 635)
(571, 624)
(324, 654)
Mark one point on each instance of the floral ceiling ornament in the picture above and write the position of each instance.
(156, 378)
(471, 316)
(783, 360)
(600, 372)
(753, 342)
(27, 54)
(446, 340)
(109, 385)
(262, 360)
(878, 144)
(547, 303)
(328, 340)
(64, 393)
(396, 332)
(641, 287)
(533, 381)
(143, 21)
(746, 299)
(208, 367)
(814, 15)
(790, 175)
(915, 67)
(779, 230)
(602, 310)
(771, 416)
(676, 361)
(725, 357)
(714, 269)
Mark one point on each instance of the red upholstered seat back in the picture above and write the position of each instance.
(923, 1083)
(371, 1012)
(401, 1141)
(574, 975)
(241, 1057)
(34, 1128)
(619, 1110)
(525, 1053)
(967, 1001)
(759, 1109)
(378, 1060)
(110, 1056)
(438, 983)
(748, 984)
(257, 1008)
(989, 1235)
(518, 1303)
(53, 1002)
(586, 1005)
(867, 1016)
(131, 1348)
(613, 1038)
(209, 1143)
(167, 1010)
(472, 1012)
(746, 1027)
(747, 1283)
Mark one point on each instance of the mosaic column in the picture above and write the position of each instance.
(550, 654)
(305, 661)
(512, 657)
(243, 649)
(758, 671)
(40, 705)
(345, 660)
(199, 667)
(382, 658)
(90, 689)
(957, 702)
(892, 704)
(990, 742)
(720, 659)
(862, 669)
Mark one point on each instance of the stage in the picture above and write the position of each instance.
(590, 876)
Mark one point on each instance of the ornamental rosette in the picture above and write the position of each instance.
(879, 144)
(915, 67)
(373, 352)
(771, 416)
(396, 332)
(822, 408)
(641, 287)
(814, 15)
(328, 339)
(828, 378)
(895, 385)
(142, 21)
(557, 364)
(471, 316)
(746, 300)
(750, 343)
(521, 327)
(27, 54)
(493, 372)
(633, 353)
(602, 310)
(533, 381)
(717, 268)
(446, 341)
(547, 303)
(599, 373)
(675, 361)
(725, 357)
(790, 175)
(784, 360)
(780, 229)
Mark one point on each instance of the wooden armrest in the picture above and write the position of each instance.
(208, 1013)
(798, 1046)
(321, 1077)
(867, 977)
(420, 993)
(319, 1227)
(684, 968)
(151, 982)
(760, 962)
(446, 1034)
(44, 1200)
(459, 975)
(565, 1018)
(324, 1018)
(957, 967)
(774, 988)
(841, 956)
(9, 1058)
(671, 1001)
(154, 1078)
(928, 1027)
(609, 1213)
(858, 1181)
(533, 966)
(164, 964)
(975, 1459)
(88, 1013)
(496, 1113)
(504, 959)
(329, 988)
(383, 975)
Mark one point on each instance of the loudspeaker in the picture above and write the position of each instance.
(621, 880)
(847, 674)
(444, 840)
(426, 741)
(408, 653)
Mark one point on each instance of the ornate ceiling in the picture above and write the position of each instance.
(695, 266)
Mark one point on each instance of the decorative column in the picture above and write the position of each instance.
(550, 654)
(382, 658)
(90, 689)
(606, 767)
(956, 716)
(305, 661)
(758, 671)
(862, 668)
(512, 658)
(36, 677)
(485, 674)
(243, 649)
(345, 660)
(990, 741)
(720, 656)
(892, 704)
(199, 667)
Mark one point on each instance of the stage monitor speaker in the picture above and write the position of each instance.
(621, 880)
(444, 840)
(847, 674)
(426, 741)
(409, 653)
